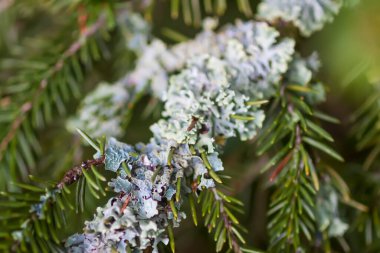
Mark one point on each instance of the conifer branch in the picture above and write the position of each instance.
(43, 207)
(227, 223)
(294, 132)
(74, 173)
(210, 94)
(28, 105)
(47, 85)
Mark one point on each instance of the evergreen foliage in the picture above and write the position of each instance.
(243, 84)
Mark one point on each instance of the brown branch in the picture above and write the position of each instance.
(280, 166)
(76, 172)
(57, 67)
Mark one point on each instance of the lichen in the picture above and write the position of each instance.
(308, 15)
(142, 210)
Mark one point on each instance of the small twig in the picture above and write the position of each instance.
(125, 204)
(193, 122)
(76, 172)
(28, 105)
(82, 18)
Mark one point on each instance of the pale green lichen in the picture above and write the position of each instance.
(217, 75)
(149, 186)
(308, 15)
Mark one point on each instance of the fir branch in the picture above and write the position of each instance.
(288, 201)
(213, 96)
(25, 108)
(155, 195)
(42, 211)
(20, 130)
(293, 131)
(28, 105)
(183, 146)
(227, 223)
(43, 208)
(72, 175)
